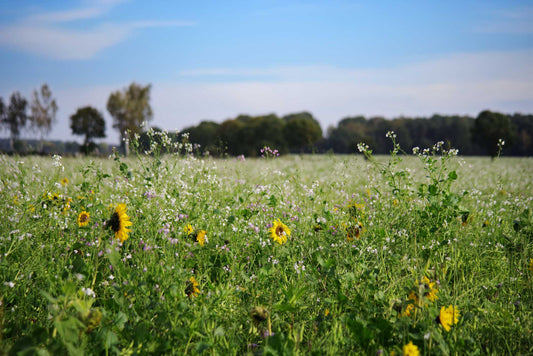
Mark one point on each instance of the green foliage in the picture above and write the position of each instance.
(378, 250)
(14, 116)
(130, 109)
(489, 128)
(43, 111)
(89, 122)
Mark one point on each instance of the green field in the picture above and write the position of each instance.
(381, 252)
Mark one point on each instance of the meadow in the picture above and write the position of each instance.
(419, 253)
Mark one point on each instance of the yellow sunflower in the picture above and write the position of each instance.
(409, 309)
(64, 181)
(430, 291)
(191, 288)
(83, 219)
(279, 232)
(448, 316)
(188, 229)
(200, 237)
(119, 222)
(410, 349)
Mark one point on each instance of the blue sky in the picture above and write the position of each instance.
(213, 60)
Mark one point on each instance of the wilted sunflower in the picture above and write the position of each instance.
(279, 232)
(83, 219)
(191, 288)
(354, 231)
(448, 316)
(119, 222)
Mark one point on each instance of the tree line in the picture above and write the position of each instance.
(300, 133)
(295, 133)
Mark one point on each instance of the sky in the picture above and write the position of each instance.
(214, 60)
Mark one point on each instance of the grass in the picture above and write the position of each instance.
(379, 249)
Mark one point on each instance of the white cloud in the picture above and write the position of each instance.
(458, 84)
(42, 35)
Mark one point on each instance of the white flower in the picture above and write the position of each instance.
(362, 147)
(89, 292)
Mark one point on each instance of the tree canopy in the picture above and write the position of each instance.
(88, 122)
(14, 116)
(43, 111)
(130, 108)
(490, 127)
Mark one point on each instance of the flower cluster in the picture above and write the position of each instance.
(267, 152)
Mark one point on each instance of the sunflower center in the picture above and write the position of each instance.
(114, 222)
(280, 231)
(84, 218)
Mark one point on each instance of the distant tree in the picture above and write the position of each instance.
(43, 112)
(129, 109)
(301, 131)
(349, 132)
(88, 122)
(206, 135)
(523, 145)
(3, 111)
(489, 127)
(15, 117)
(231, 134)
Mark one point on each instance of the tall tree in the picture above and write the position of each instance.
(43, 112)
(301, 131)
(129, 109)
(15, 117)
(89, 122)
(489, 127)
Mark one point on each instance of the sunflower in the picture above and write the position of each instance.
(448, 316)
(191, 288)
(530, 266)
(83, 219)
(188, 229)
(409, 309)
(64, 181)
(279, 232)
(410, 349)
(200, 237)
(119, 222)
(430, 291)
(354, 231)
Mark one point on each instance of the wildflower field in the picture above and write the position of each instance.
(423, 253)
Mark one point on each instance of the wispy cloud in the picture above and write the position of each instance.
(42, 34)
(456, 68)
(516, 22)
